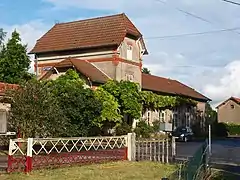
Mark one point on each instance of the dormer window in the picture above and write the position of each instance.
(129, 52)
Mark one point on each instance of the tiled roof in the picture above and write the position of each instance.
(169, 86)
(89, 33)
(5, 86)
(236, 99)
(84, 67)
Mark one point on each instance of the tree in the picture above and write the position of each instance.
(78, 103)
(36, 112)
(110, 113)
(2, 36)
(14, 61)
(146, 70)
(211, 115)
(128, 97)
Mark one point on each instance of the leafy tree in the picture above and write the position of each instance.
(78, 103)
(146, 70)
(2, 36)
(110, 108)
(128, 96)
(35, 112)
(211, 115)
(14, 61)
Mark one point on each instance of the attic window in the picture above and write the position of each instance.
(232, 106)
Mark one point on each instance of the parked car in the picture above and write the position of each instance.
(183, 134)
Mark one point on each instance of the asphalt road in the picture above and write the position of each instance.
(225, 153)
(227, 150)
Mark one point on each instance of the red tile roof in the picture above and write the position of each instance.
(149, 82)
(6, 86)
(235, 99)
(89, 33)
(83, 66)
(169, 86)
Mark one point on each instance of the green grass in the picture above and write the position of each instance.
(109, 171)
(224, 175)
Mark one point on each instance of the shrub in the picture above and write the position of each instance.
(219, 130)
(233, 129)
(143, 130)
(123, 129)
(156, 126)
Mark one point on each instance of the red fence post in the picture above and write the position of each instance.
(10, 160)
(29, 165)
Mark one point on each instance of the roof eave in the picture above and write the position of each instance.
(69, 49)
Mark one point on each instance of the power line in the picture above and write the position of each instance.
(196, 16)
(193, 34)
(188, 13)
(232, 2)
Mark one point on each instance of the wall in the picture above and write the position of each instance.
(107, 67)
(135, 52)
(124, 69)
(228, 114)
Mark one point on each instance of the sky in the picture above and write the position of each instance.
(209, 63)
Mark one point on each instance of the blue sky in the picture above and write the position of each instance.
(209, 63)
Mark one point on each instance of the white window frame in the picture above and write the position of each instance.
(130, 77)
(129, 52)
(162, 116)
(3, 121)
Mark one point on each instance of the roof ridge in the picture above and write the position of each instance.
(91, 18)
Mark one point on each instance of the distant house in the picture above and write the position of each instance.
(106, 48)
(229, 111)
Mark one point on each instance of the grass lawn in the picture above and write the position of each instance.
(223, 175)
(109, 171)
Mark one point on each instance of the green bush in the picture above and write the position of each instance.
(156, 126)
(143, 130)
(233, 129)
(219, 130)
(123, 129)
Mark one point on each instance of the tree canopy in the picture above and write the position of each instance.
(78, 102)
(146, 70)
(2, 36)
(14, 61)
(35, 112)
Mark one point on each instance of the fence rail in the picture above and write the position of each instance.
(34, 153)
(161, 150)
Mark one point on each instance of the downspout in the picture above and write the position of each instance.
(36, 64)
(90, 82)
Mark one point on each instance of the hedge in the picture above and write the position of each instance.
(233, 129)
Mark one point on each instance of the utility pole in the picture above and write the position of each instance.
(210, 137)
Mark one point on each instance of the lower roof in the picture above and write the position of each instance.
(149, 82)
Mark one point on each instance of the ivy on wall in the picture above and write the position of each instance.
(153, 101)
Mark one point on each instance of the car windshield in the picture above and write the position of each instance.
(181, 129)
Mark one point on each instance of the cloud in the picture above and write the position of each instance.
(227, 85)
